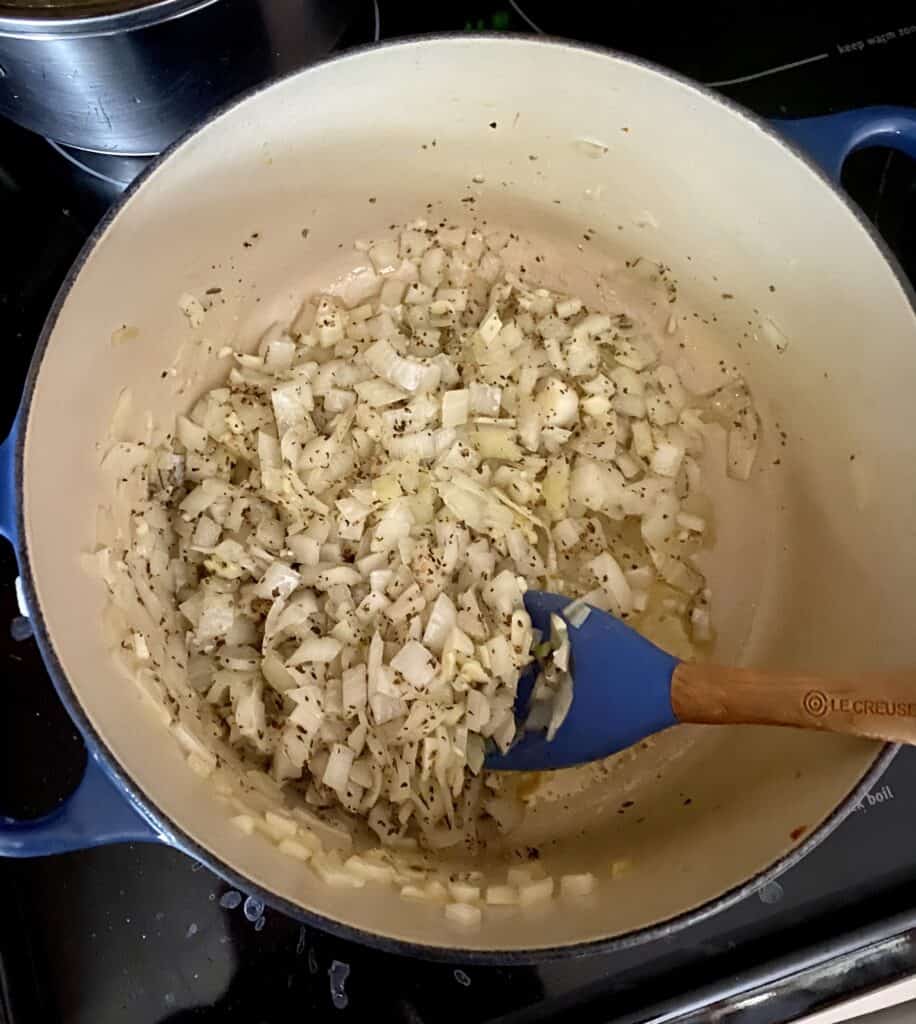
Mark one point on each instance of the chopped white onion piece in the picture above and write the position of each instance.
(484, 399)
(695, 524)
(465, 914)
(293, 848)
(415, 664)
(464, 892)
(408, 374)
(537, 891)
(502, 895)
(320, 649)
(244, 823)
(607, 572)
(666, 460)
(337, 773)
(455, 407)
(442, 618)
(577, 885)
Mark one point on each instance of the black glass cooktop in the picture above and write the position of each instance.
(142, 934)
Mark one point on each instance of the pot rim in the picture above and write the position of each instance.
(177, 836)
(92, 19)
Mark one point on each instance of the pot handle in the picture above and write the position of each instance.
(829, 140)
(8, 487)
(97, 811)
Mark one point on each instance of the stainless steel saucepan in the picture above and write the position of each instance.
(130, 76)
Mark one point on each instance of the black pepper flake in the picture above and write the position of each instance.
(371, 199)
(304, 232)
(492, 124)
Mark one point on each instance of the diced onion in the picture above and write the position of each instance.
(244, 823)
(416, 664)
(293, 848)
(464, 914)
(610, 577)
(318, 575)
(337, 773)
(502, 895)
(537, 891)
(577, 885)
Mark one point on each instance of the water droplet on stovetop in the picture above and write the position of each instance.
(462, 978)
(772, 892)
(338, 973)
(253, 908)
(20, 627)
(230, 900)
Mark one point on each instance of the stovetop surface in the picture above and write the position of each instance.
(141, 933)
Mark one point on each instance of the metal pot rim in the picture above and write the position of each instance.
(95, 19)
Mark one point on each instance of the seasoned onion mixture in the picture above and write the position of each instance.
(320, 573)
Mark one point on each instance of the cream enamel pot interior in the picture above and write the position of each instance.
(815, 556)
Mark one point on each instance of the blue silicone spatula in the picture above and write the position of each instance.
(625, 689)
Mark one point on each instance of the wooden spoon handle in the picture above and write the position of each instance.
(880, 706)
